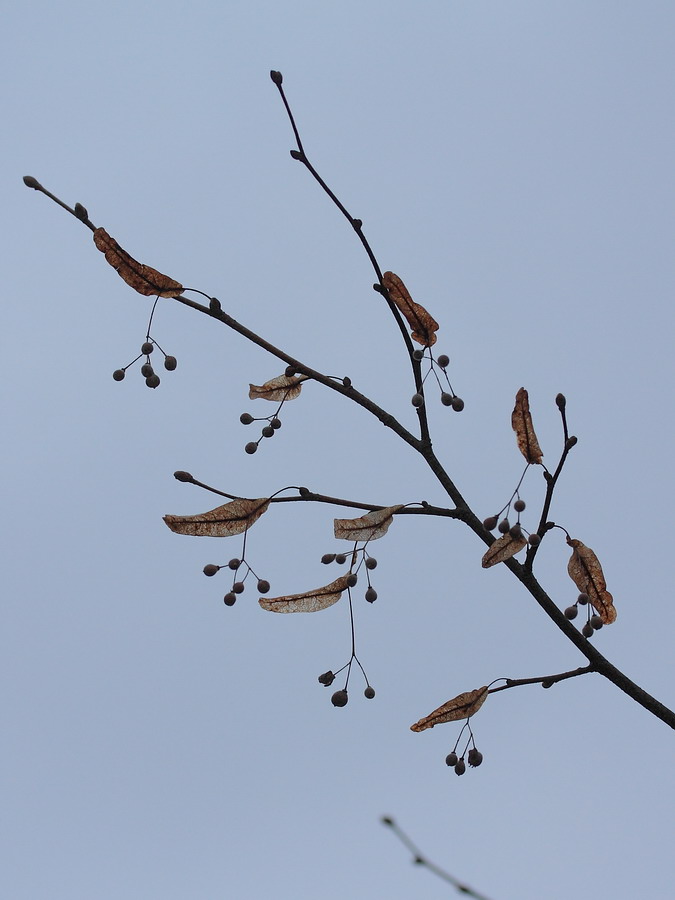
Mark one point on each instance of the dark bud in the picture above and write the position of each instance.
(290, 371)
(340, 559)
(170, 363)
(234, 564)
(547, 683)
(276, 77)
(147, 348)
(238, 587)
(387, 820)
(263, 586)
(446, 398)
(152, 381)
(490, 523)
(183, 476)
(214, 305)
(571, 441)
(474, 757)
(276, 423)
(31, 182)
(357, 224)
(534, 540)
(583, 599)
(327, 558)
(560, 402)
(596, 622)
(147, 370)
(519, 505)
(417, 400)
(371, 595)
(369, 693)
(443, 361)
(418, 355)
(451, 759)
(516, 531)
(326, 679)
(503, 526)
(380, 289)
(304, 491)
(81, 212)
(296, 154)
(352, 579)
(230, 599)
(119, 374)
(268, 431)
(457, 404)
(571, 612)
(251, 447)
(587, 630)
(246, 418)
(210, 569)
(460, 767)
(371, 563)
(339, 698)
(346, 381)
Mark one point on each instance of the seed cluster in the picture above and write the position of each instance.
(147, 370)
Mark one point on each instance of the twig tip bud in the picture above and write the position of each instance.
(31, 182)
(276, 77)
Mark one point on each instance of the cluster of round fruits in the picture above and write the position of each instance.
(273, 425)
(474, 757)
(370, 563)
(341, 698)
(448, 398)
(238, 585)
(147, 371)
(593, 621)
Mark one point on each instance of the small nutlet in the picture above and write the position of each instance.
(339, 698)
(457, 404)
(210, 569)
(369, 693)
(474, 757)
(443, 361)
(170, 363)
(352, 578)
(251, 447)
(327, 678)
(451, 759)
(490, 523)
(118, 374)
(147, 347)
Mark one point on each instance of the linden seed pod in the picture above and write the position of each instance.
(147, 370)
(238, 587)
(490, 523)
(596, 623)
(516, 531)
(327, 678)
(587, 630)
(369, 693)
(519, 505)
(571, 612)
(583, 599)
(503, 526)
(340, 559)
(147, 348)
(417, 400)
(446, 399)
(210, 569)
(451, 759)
(352, 578)
(460, 767)
(371, 595)
(475, 757)
(275, 423)
(327, 558)
(230, 599)
(418, 355)
(268, 431)
(251, 447)
(534, 540)
(152, 381)
(443, 361)
(234, 564)
(339, 698)
(371, 563)
(183, 476)
(170, 363)
(246, 418)
(457, 404)
(119, 374)
(263, 586)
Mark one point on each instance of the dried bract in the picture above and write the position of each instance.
(503, 548)
(460, 707)
(370, 527)
(141, 278)
(421, 322)
(310, 601)
(224, 521)
(586, 572)
(521, 422)
(277, 389)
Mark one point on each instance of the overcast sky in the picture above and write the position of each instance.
(513, 163)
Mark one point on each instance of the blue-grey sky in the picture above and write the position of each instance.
(513, 162)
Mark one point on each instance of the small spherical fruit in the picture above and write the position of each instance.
(352, 578)
(451, 759)
(327, 678)
(152, 381)
(327, 558)
(418, 355)
(516, 531)
(460, 767)
(147, 348)
(417, 400)
(234, 564)
(490, 523)
(587, 630)
(340, 559)
(504, 526)
(339, 698)
(238, 587)
(246, 418)
(371, 595)
(170, 363)
(596, 622)
(119, 374)
(582, 599)
(147, 370)
(571, 612)
(275, 423)
(474, 757)
(251, 447)
(534, 540)
(263, 586)
(443, 361)
(371, 563)
(210, 569)
(268, 431)
(230, 599)
(446, 399)
(519, 505)
(457, 404)
(369, 693)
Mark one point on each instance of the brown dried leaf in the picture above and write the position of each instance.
(503, 548)
(586, 572)
(224, 521)
(422, 324)
(370, 527)
(521, 422)
(141, 278)
(463, 706)
(277, 389)
(311, 601)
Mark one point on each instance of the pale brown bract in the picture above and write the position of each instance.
(463, 706)
(310, 601)
(227, 520)
(586, 572)
(521, 422)
(370, 527)
(423, 325)
(141, 278)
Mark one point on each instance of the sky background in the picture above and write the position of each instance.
(513, 163)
